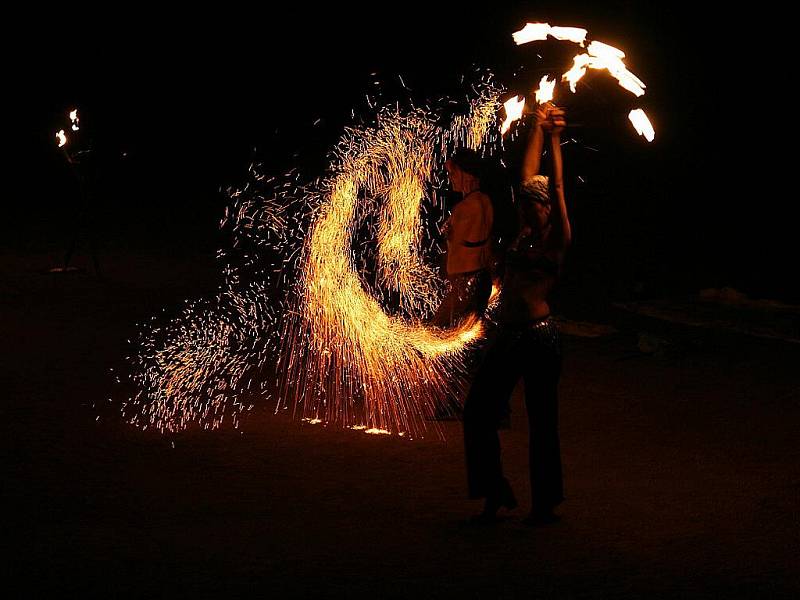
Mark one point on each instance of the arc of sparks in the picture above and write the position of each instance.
(344, 359)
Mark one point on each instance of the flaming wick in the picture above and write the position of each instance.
(546, 90)
(513, 108)
(642, 124)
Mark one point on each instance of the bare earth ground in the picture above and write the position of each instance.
(682, 472)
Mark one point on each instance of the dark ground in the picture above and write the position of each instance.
(682, 472)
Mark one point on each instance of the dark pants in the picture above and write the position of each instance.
(533, 353)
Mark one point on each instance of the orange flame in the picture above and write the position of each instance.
(534, 32)
(546, 89)
(62, 138)
(642, 124)
(73, 116)
(513, 108)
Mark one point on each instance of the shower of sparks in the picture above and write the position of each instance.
(296, 299)
(514, 108)
(205, 366)
(61, 137)
(344, 359)
(642, 124)
(546, 90)
(598, 56)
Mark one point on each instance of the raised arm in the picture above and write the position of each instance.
(561, 233)
(533, 153)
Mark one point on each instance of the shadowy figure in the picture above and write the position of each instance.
(82, 160)
(526, 342)
(469, 251)
(469, 248)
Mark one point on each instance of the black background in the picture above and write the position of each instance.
(192, 96)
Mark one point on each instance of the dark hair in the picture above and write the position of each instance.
(468, 161)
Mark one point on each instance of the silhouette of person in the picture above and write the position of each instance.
(469, 249)
(526, 342)
(82, 159)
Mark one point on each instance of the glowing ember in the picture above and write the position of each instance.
(514, 108)
(62, 138)
(642, 124)
(545, 91)
(73, 116)
(374, 431)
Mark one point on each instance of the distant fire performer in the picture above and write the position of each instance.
(79, 154)
(527, 341)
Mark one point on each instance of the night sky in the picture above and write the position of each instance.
(190, 98)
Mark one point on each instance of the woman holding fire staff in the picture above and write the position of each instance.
(527, 343)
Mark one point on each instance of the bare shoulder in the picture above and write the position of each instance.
(475, 202)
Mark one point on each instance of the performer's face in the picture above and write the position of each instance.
(456, 176)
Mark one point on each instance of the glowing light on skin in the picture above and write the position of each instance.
(514, 107)
(642, 124)
(61, 137)
(546, 90)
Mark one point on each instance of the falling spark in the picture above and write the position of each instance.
(62, 138)
(642, 124)
(546, 89)
(514, 107)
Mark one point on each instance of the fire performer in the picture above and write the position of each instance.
(469, 251)
(527, 341)
(82, 159)
(469, 248)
